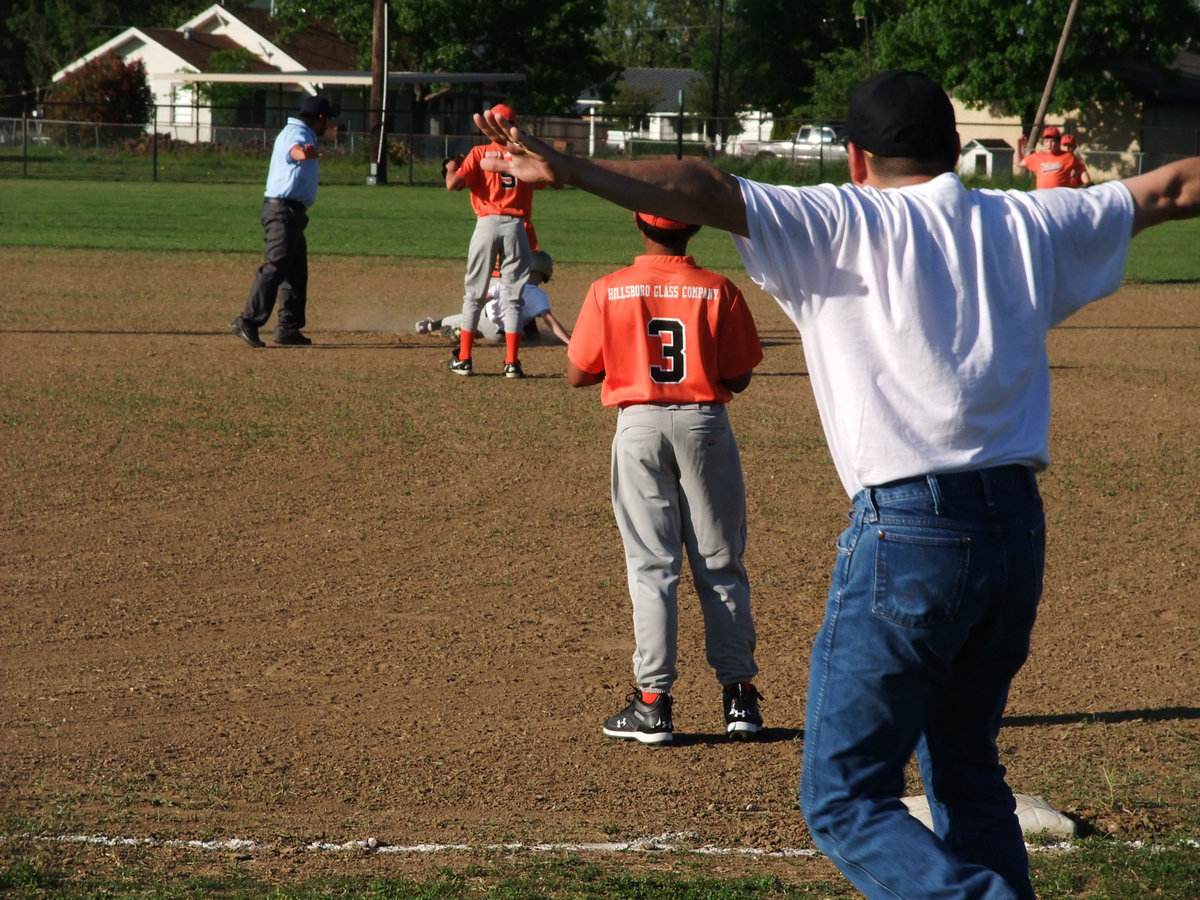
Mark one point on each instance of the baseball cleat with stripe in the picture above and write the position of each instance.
(649, 723)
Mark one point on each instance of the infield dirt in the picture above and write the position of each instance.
(320, 594)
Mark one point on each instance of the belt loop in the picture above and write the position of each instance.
(869, 503)
(936, 492)
(987, 485)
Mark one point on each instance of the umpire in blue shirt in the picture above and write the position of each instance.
(291, 190)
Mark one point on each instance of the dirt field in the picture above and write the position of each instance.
(321, 594)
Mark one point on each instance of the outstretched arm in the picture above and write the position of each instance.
(1168, 192)
(557, 327)
(684, 190)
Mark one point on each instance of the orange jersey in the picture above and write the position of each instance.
(1054, 169)
(665, 330)
(493, 193)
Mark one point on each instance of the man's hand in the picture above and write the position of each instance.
(301, 152)
(533, 161)
(451, 163)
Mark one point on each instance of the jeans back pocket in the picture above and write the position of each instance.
(919, 577)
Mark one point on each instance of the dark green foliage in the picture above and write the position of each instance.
(104, 90)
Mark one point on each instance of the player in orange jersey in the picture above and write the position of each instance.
(670, 344)
(1054, 166)
(502, 205)
(1078, 176)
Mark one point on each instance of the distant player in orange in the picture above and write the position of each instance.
(1078, 176)
(503, 206)
(1052, 167)
(670, 344)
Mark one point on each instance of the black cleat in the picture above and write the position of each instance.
(649, 723)
(742, 718)
(291, 337)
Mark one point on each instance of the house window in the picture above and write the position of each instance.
(182, 110)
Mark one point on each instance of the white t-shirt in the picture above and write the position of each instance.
(536, 302)
(924, 310)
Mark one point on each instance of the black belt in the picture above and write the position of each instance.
(290, 204)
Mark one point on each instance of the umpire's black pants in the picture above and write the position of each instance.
(284, 272)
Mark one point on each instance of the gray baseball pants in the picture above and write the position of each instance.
(503, 235)
(677, 483)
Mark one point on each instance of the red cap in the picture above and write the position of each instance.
(506, 111)
(1068, 140)
(660, 222)
(1050, 131)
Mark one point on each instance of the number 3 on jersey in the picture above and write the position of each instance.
(670, 332)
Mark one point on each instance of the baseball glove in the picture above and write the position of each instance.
(457, 160)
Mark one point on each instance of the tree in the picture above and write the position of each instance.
(54, 33)
(549, 41)
(660, 34)
(630, 106)
(106, 89)
(224, 96)
(997, 53)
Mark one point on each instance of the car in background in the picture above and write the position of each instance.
(820, 141)
(810, 143)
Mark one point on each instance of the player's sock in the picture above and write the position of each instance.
(650, 696)
(512, 341)
(466, 341)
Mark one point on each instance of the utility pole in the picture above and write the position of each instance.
(379, 95)
(1036, 131)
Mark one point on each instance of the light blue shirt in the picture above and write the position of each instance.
(288, 179)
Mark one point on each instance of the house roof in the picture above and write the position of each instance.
(317, 46)
(667, 82)
(989, 144)
(196, 49)
(1180, 82)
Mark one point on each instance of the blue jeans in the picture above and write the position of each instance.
(933, 599)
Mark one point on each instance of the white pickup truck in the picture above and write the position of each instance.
(809, 144)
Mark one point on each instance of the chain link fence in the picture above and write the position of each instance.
(37, 147)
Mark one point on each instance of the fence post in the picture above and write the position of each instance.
(24, 144)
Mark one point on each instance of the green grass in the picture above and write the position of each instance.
(564, 878)
(1091, 868)
(396, 220)
(392, 220)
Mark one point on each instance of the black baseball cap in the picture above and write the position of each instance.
(316, 106)
(902, 113)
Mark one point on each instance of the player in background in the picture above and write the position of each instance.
(291, 190)
(1052, 167)
(923, 310)
(535, 304)
(503, 205)
(1077, 175)
(670, 344)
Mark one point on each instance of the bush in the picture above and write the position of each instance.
(105, 90)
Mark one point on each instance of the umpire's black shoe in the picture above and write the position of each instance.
(742, 718)
(649, 723)
(247, 333)
(291, 337)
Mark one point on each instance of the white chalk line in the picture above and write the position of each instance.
(668, 842)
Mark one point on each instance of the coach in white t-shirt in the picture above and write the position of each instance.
(924, 309)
